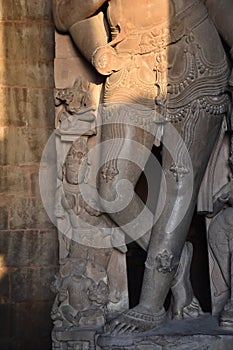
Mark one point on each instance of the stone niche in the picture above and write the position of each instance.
(95, 285)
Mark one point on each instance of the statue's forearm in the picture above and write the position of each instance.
(68, 12)
(78, 17)
(221, 12)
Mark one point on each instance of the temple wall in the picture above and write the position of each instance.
(28, 241)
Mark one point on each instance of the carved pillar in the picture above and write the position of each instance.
(91, 285)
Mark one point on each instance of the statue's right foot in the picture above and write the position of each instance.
(130, 325)
(136, 321)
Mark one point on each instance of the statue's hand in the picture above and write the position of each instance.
(106, 60)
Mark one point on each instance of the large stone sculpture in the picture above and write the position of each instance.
(166, 80)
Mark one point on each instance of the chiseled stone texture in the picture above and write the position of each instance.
(28, 213)
(25, 10)
(22, 146)
(195, 342)
(202, 333)
(30, 284)
(28, 240)
(8, 185)
(3, 215)
(29, 248)
(26, 107)
(18, 35)
(4, 286)
(25, 335)
(26, 74)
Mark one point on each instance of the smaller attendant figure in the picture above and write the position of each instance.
(80, 301)
(221, 245)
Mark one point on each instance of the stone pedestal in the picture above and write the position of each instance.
(201, 333)
(74, 339)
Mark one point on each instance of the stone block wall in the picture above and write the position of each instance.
(28, 241)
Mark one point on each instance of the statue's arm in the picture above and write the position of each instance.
(221, 12)
(68, 12)
(84, 23)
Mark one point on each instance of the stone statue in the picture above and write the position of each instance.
(220, 238)
(167, 77)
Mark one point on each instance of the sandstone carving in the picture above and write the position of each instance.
(166, 78)
(220, 239)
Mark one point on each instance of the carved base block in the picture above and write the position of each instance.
(75, 339)
(201, 333)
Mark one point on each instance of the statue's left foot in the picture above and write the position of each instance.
(130, 325)
(191, 310)
(226, 316)
(184, 304)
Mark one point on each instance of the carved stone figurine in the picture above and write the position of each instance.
(79, 299)
(220, 237)
(165, 65)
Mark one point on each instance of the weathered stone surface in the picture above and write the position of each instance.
(28, 213)
(22, 146)
(9, 185)
(26, 74)
(30, 344)
(144, 63)
(26, 99)
(19, 107)
(67, 71)
(29, 248)
(47, 38)
(7, 320)
(65, 48)
(20, 41)
(80, 339)
(4, 284)
(15, 335)
(3, 214)
(38, 327)
(35, 186)
(25, 10)
(194, 334)
(198, 342)
(32, 284)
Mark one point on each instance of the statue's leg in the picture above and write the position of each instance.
(219, 245)
(198, 134)
(125, 150)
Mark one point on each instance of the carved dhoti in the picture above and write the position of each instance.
(169, 66)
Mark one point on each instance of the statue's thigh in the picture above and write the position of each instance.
(125, 150)
(188, 144)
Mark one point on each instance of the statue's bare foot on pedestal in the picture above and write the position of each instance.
(226, 316)
(136, 321)
(132, 324)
